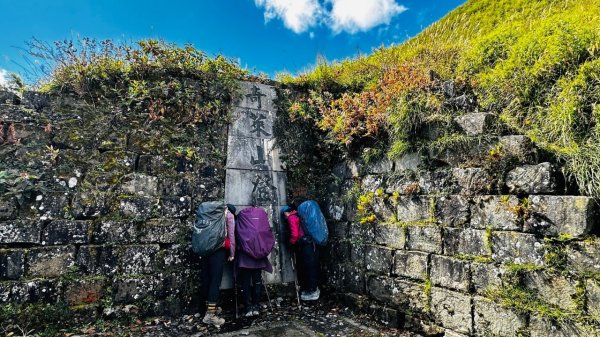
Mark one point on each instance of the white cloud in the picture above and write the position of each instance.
(3, 78)
(359, 15)
(297, 15)
(339, 15)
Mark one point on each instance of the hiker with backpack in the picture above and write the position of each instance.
(255, 242)
(213, 238)
(308, 230)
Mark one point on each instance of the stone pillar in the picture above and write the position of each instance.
(254, 172)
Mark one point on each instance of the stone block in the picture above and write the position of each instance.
(450, 333)
(138, 208)
(48, 206)
(411, 264)
(410, 295)
(341, 171)
(139, 259)
(361, 232)
(473, 180)
(12, 262)
(139, 184)
(245, 184)
(354, 281)
(378, 259)
(552, 289)
(135, 289)
(452, 210)
(493, 320)
(357, 254)
(543, 327)
(117, 232)
(497, 212)
(8, 210)
(256, 96)
(532, 179)
(386, 316)
(381, 166)
(389, 235)
(61, 232)
(164, 231)
(84, 291)
(555, 215)
(384, 289)
(175, 207)
(592, 293)
(403, 185)
(466, 241)
(97, 260)
(474, 124)
(19, 231)
(50, 262)
(452, 310)
(152, 165)
(438, 181)
(408, 161)
(90, 204)
(486, 276)
(424, 238)
(338, 230)
(335, 210)
(414, 209)
(371, 183)
(517, 248)
(473, 150)
(584, 257)
(450, 273)
(383, 209)
(33, 291)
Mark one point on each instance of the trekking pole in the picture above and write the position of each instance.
(295, 278)
(235, 295)
(267, 292)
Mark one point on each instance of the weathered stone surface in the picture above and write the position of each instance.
(411, 295)
(152, 165)
(542, 327)
(338, 230)
(450, 333)
(473, 180)
(552, 289)
(8, 210)
(408, 161)
(411, 264)
(357, 254)
(48, 206)
(371, 183)
(532, 179)
(438, 181)
(164, 231)
(360, 232)
(109, 231)
(50, 262)
(397, 292)
(138, 208)
(493, 320)
(450, 273)
(34, 291)
(84, 291)
(517, 248)
(90, 204)
(386, 316)
(592, 292)
(139, 184)
(383, 209)
(61, 232)
(389, 235)
(414, 209)
(335, 211)
(474, 124)
(380, 167)
(519, 146)
(378, 259)
(452, 210)
(452, 310)
(175, 207)
(97, 260)
(18, 231)
(12, 262)
(486, 276)
(382, 288)
(497, 212)
(130, 290)
(466, 241)
(584, 257)
(139, 259)
(424, 238)
(554, 215)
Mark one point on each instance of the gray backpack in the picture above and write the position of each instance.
(208, 232)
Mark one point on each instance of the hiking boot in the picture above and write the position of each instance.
(213, 319)
(255, 311)
(311, 296)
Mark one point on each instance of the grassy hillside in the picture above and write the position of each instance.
(535, 63)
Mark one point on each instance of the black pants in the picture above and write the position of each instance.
(251, 284)
(309, 263)
(211, 274)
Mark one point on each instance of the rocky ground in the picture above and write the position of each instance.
(322, 318)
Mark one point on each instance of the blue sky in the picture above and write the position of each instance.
(266, 36)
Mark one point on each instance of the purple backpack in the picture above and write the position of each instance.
(253, 232)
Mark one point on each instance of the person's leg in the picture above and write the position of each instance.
(244, 276)
(309, 257)
(257, 289)
(215, 264)
(204, 279)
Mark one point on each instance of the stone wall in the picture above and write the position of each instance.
(481, 240)
(96, 205)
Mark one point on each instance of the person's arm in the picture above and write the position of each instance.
(294, 222)
(231, 234)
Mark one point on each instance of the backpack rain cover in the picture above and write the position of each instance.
(253, 232)
(313, 222)
(208, 232)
